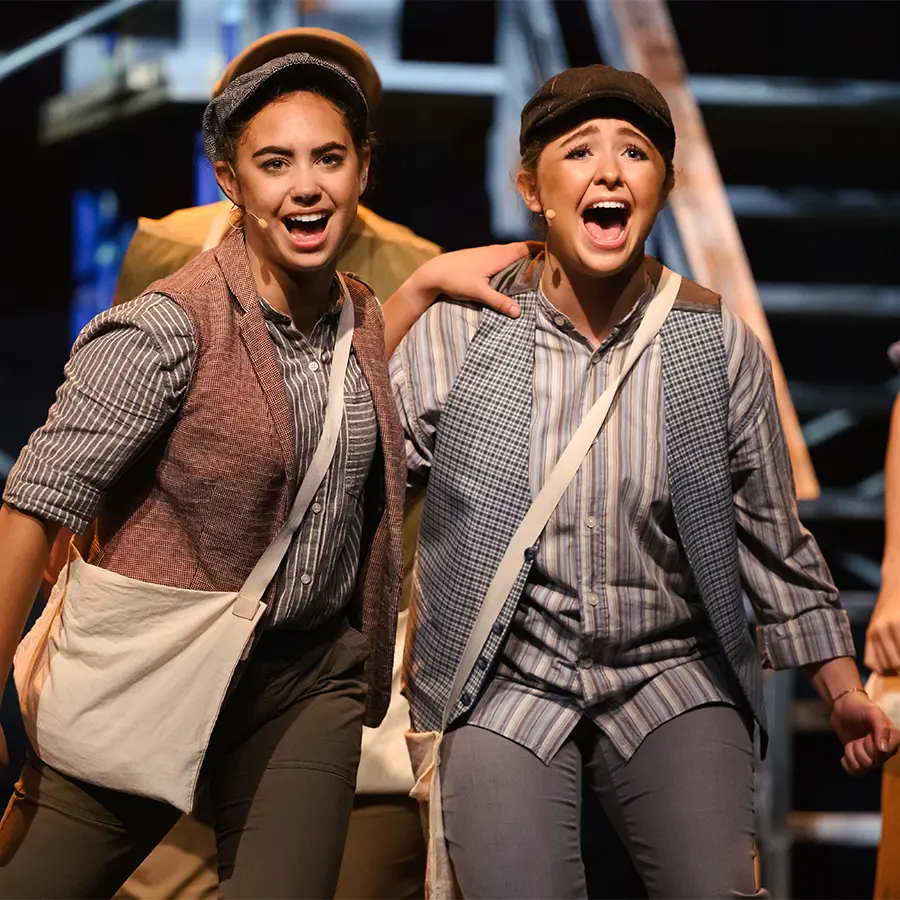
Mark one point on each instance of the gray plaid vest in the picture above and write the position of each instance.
(479, 492)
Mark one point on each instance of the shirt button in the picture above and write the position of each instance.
(465, 699)
(561, 321)
(313, 366)
(481, 663)
(585, 662)
(592, 598)
(498, 628)
(317, 508)
(326, 356)
(305, 579)
(591, 521)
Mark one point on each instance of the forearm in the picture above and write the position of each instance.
(403, 309)
(833, 677)
(890, 566)
(25, 543)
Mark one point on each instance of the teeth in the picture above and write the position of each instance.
(308, 217)
(609, 204)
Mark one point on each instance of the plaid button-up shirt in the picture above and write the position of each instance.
(610, 624)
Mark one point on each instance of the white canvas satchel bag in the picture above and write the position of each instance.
(425, 747)
(121, 681)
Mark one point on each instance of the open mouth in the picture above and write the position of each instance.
(606, 222)
(306, 224)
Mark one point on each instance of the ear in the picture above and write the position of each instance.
(525, 184)
(365, 158)
(228, 181)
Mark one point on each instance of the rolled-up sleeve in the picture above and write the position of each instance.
(126, 377)
(423, 369)
(798, 609)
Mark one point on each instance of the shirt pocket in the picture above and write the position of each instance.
(361, 437)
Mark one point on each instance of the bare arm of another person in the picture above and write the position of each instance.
(462, 275)
(25, 543)
(883, 634)
(801, 623)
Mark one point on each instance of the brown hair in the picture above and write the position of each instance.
(277, 88)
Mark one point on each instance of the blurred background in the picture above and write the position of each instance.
(789, 120)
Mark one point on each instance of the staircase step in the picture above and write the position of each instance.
(760, 202)
(846, 829)
(855, 300)
(802, 93)
(867, 400)
(835, 504)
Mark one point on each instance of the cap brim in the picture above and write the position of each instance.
(328, 45)
(566, 109)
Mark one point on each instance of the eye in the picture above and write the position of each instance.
(274, 165)
(331, 159)
(580, 152)
(632, 151)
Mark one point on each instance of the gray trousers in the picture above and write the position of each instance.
(683, 806)
(281, 774)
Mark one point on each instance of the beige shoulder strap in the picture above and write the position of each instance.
(547, 500)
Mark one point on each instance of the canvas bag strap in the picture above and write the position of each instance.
(556, 485)
(264, 571)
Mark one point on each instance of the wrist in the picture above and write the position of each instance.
(419, 293)
(847, 692)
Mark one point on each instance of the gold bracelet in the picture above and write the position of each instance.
(852, 690)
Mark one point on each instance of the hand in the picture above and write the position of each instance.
(883, 635)
(465, 275)
(867, 734)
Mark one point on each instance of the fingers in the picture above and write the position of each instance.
(857, 760)
(872, 750)
(883, 642)
(500, 302)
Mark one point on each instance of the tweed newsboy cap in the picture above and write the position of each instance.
(564, 93)
(332, 78)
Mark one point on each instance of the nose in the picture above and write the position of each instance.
(608, 171)
(305, 189)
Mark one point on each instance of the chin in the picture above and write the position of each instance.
(607, 262)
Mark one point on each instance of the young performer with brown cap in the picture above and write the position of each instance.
(607, 477)
(233, 623)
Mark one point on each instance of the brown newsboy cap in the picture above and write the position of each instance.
(332, 46)
(558, 99)
(331, 77)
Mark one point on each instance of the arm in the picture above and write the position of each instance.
(423, 370)
(463, 275)
(883, 633)
(801, 622)
(124, 381)
(25, 543)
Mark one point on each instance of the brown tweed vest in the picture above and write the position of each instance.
(203, 503)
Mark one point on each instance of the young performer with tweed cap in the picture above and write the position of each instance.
(597, 640)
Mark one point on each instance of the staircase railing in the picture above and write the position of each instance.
(639, 35)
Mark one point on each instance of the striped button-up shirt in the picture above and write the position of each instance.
(610, 624)
(128, 375)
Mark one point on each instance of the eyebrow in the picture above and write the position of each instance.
(280, 151)
(633, 132)
(582, 132)
(326, 148)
